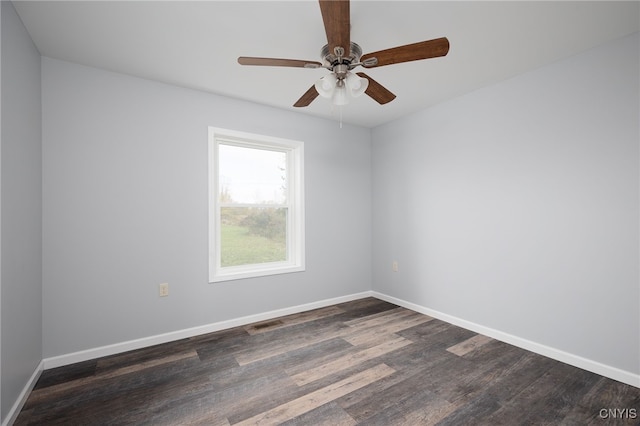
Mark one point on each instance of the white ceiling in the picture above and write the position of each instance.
(196, 44)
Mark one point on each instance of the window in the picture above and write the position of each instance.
(256, 205)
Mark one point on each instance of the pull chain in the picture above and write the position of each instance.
(333, 110)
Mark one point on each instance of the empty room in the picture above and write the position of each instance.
(319, 212)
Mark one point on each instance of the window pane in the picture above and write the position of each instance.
(252, 176)
(252, 235)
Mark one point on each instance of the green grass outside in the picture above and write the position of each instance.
(239, 247)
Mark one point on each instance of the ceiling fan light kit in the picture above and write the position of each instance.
(341, 55)
(341, 90)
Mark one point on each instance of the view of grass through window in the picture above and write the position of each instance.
(253, 208)
(253, 235)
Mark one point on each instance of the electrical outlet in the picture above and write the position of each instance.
(164, 289)
(394, 266)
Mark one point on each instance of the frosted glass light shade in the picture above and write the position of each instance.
(340, 96)
(326, 85)
(357, 85)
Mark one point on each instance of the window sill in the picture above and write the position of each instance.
(232, 273)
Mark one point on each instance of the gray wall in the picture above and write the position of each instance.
(21, 213)
(515, 207)
(125, 208)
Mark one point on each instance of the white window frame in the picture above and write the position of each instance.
(295, 205)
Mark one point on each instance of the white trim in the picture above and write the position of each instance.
(557, 354)
(12, 416)
(61, 360)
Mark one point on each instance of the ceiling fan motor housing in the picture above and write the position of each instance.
(331, 59)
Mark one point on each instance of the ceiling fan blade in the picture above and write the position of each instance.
(337, 24)
(377, 91)
(307, 98)
(274, 62)
(410, 52)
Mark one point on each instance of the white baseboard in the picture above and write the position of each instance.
(559, 355)
(15, 410)
(61, 360)
(568, 358)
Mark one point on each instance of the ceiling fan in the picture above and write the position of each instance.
(341, 55)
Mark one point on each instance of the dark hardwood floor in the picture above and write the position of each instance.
(365, 362)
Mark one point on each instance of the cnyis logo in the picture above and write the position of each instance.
(618, 413)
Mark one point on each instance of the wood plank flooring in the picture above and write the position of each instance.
(366, 362)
